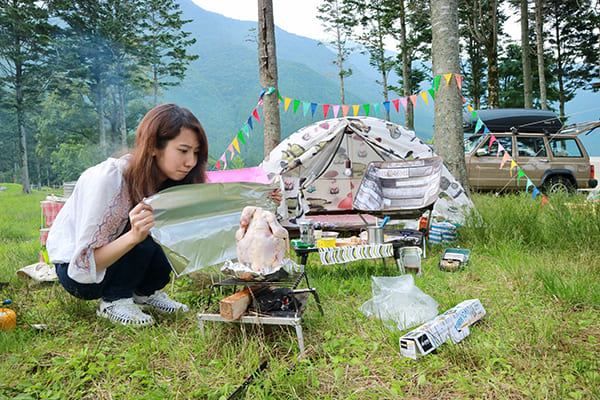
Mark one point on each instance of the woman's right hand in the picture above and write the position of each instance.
(142, 221)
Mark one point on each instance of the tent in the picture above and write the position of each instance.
(322, 166)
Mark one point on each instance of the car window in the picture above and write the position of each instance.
(565, 148)
(531, 147)
(471, 142)
(485, 150)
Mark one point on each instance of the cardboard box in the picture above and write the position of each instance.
(453, 324)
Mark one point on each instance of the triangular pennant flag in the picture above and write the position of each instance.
(424, 96)
(376, 106)
(386, 105)
(469, 108)
(325, 110)
(413, 100)
(544, 201)
(464, 100)
(336, 110)
(296, 104)
(246, 130)
(519, 175)
(534, 193)
(500, 148)
(505, 158)
(270, 90)
(236, 145)
(486, 130)
(367, 107)
(459, 81)
(240, 137)
(432, 93)
(355, 109)
(262, 93)
(478, 125)
(448, 77)
(313, 107)
(287, 103)
(249, 122)
(218, 165)
(436, 82)
(306, 106)
(512, 165)
(404, 101)
(492, 140)
(529, 183)
(230, 148)
(224, 161)
(255, 113)
(397, 105)
(345, 110)
(279, 95)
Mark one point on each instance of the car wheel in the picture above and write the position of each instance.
(557, 184)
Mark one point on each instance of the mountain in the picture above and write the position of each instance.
(222, 86)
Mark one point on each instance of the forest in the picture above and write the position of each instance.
(76, 76)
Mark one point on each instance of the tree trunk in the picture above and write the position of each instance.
(103, 146)
(122, 121)
(526, 56)
(23, 161)
(539, 27)
(448, 133)
(267, 62)
(406, 68)
(340, 57)
(560, 75)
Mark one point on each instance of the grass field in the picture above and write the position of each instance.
(534, 270)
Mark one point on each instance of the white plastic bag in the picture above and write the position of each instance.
(398, 303)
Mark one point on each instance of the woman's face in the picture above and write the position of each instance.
(179, 156)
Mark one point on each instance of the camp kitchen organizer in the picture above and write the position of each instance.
(343, 254)
(263, 319)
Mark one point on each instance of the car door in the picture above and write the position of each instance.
(531, 157)
(483, 164)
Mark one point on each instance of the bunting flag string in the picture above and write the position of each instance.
(507, 157)
(346, 109)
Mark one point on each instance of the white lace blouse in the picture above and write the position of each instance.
(95, 214)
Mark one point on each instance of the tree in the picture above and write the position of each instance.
(267, 62)
(25, 43)
(165, 43)
(484, 25)
(573, 42)
(473, 65)
(373, 16)
(539, 40)
(448, 133)
(526, 56)
(336, 17)
(414, 35)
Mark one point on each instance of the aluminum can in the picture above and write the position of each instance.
(307, 232)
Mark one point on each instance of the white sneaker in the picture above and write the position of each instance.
(160, 302)
(124, 311)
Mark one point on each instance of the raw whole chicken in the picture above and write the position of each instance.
(261, 241)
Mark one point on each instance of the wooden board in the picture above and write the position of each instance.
(234, 306)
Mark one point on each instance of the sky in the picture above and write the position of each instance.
(298, 17)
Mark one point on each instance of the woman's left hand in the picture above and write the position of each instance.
(277, 196)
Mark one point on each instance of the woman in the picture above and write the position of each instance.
(100, 241)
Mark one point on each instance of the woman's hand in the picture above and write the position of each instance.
(277, 196)
(142, 221)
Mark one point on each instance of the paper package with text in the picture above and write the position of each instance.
(453, 324)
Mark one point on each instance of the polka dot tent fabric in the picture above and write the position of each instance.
(322, 165)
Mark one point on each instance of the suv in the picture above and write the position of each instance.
(554, 159)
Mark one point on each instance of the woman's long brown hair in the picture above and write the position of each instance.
(160, 125)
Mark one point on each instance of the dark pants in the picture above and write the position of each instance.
(143, 270)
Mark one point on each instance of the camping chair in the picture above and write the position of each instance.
(403, 189)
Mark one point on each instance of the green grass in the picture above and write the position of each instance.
(534, 270)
